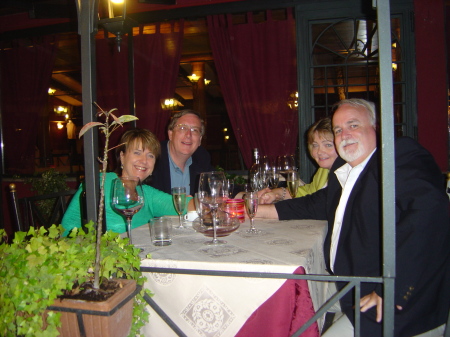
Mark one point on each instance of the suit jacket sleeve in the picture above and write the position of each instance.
(422, 221)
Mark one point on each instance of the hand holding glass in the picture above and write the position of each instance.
(128, 198)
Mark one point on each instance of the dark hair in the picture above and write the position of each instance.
(323, 128)
(136, 137)
(174, 119)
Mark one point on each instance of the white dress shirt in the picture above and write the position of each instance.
(347, 176)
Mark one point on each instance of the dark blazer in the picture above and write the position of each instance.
(201, 162)
(422, 284)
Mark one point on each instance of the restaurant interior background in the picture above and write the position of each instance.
(336, 55)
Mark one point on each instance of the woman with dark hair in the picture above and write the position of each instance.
(137, 154)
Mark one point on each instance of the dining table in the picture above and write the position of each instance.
(213, 306)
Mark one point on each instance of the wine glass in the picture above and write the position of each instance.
(212, 193)
(229, 185)
(285, 164)
(128, 198)
(264, 168)
(251, 205)
(292, 183)
(179, 201)
(199, 207)
(273, 176)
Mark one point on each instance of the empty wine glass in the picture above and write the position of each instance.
(128, 198)
(292, 183)
(251, 205)
(285, 164)
(199, 206)
(179, 201)
(229, 185)
(212, 193)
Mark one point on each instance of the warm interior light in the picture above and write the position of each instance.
(193, 78)
(207, 81)
(59, 125)
(169, 102)
(66, 116)
(60, 109)
(394, 66)
(117, 1)
(225, 129)
(51, 91)
(227, 137)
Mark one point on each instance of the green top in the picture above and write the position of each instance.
(318, 182)
(156, 203)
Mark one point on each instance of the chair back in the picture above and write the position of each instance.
(28, 211)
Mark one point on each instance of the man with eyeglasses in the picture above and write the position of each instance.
(182, 158)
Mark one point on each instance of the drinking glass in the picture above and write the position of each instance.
(212, 194)
(128, 198)
(199, 207)
(251, 205)
(179, 201)
(292, 183)
(229, 185)
(273, 177)
(285, 164)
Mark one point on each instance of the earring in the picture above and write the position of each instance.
(121, 166)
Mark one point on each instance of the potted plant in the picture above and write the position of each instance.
(40, 266)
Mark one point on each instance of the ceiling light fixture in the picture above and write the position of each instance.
(118, 25)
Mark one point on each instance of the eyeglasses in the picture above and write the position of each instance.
(196, 131)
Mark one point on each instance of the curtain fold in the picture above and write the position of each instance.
(256, 66)
(26, 70)
(157, 61)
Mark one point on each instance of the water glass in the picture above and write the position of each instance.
(161, 231)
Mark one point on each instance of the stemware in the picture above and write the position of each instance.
(251, 205)
(285, 164)
(229, 185)
(292, 183)
(199, 207)
(128, 198)
(212, 194)
(179, 201)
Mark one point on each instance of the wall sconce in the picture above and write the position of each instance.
(118, 25)
(170, 104)
(59, 125)
(60, 110)
(394, 66)
(194, 79)
(293, 101)
(51, 91)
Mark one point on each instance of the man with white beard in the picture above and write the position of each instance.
(352, 205)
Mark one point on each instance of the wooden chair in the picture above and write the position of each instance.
(26, 211)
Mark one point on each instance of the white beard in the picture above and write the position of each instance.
(350, 155)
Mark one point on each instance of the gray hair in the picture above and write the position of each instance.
(360, 103)
(174, 119)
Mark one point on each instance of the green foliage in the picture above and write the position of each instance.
(238, 180)
(48, 182)
(37, 266)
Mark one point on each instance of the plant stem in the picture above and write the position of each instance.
(101, 205)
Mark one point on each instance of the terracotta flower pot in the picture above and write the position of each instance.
(111, 318)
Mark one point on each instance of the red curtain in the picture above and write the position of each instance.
(26, 70)
(256, 66)
(156, 63)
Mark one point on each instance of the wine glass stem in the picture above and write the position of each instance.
(180, 216)
(129, 229)
(214, 214)
(252, 226)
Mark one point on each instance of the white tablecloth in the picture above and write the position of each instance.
(219, 306)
